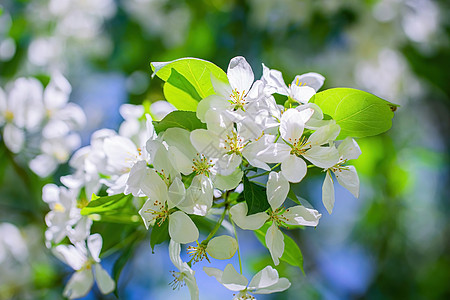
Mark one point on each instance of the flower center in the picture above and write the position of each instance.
(299, 146)
(238, 99)
(160, 213)
(243, 295)
(166, 178)
(198, 253)
(277, 216)
(178, 280)
(234, 143)
(201, 165)
(9, 116)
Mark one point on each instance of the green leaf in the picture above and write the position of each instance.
(160, 233)
(255, 196)
(107, 204)
(358, 113)
(291, 195)
(182, 119)
(292, 253)
(179, 81)
(188, 80)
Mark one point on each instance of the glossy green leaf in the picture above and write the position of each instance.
(292, 253)
(107, 204)
(358, 113)
(255, 196)
(182, 119)
(160, 233)
(188, 80)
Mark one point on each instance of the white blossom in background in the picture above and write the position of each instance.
(266, 281)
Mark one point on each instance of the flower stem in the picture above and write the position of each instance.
(264, 173)
(237, 240)
(218, 224)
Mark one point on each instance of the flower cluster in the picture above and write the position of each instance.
(174, 172)
(39, 123)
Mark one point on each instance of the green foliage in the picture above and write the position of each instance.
(106, 205)
(182, 119)
(292, 253)
(160, 233)
(188, 80)
(255, 196)
(358, 113)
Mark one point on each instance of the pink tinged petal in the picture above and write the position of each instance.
(292, 125)
(275, 243)
(300, 215)
(252, 222)
(104, 282)
(240, 74)
(274, 153)
(13, 137)
(232, 280)
(177, 192)
(79, 284)
(311, 79)
(325, 134)
(328, 192)
(277, 189)
(323, 157)
(349, 149)
(264, 278)
(182, 229)
(293, 168)
(281, 285)
(302, 94)
(348, 178)
(94, 243)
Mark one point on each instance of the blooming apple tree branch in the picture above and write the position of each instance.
(200, 162)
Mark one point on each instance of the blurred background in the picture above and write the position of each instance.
(391, 243)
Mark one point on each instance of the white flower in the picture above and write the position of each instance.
(161, 199)
(86, 262)
(266, 281)
(302, 88)
(277, 190)
(295, 145)
(346, 175)
(185, 275)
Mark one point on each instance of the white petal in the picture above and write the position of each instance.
(281, 285)
(177, 193)
(180, 138)
(182, 229)
(232, 280)
(43, 165)
(311, 79)
(94, 243)
(136, 178)
(79, 284)
(149, 211)
(130, 111)
(349, 149)
(180, 160)
(160, 109)
(275, 243)
(293, 168)
(228, 163)
(274, 78)
(264, 278)
(274, 153)
(13, 137)
(292, 125)
(300, 215)
(323, 157)
(240, 74)
(122, 153)
(252, 222)
(104, 282)
(324, 134)
(70, 255)
(348, 178)
(221, 88)
(222, 247)
(174, 254)
(328, 193)
(206, 142)
(153, 186)
(199, 196)
(228, 182)
(302, 94)
(277, 189)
